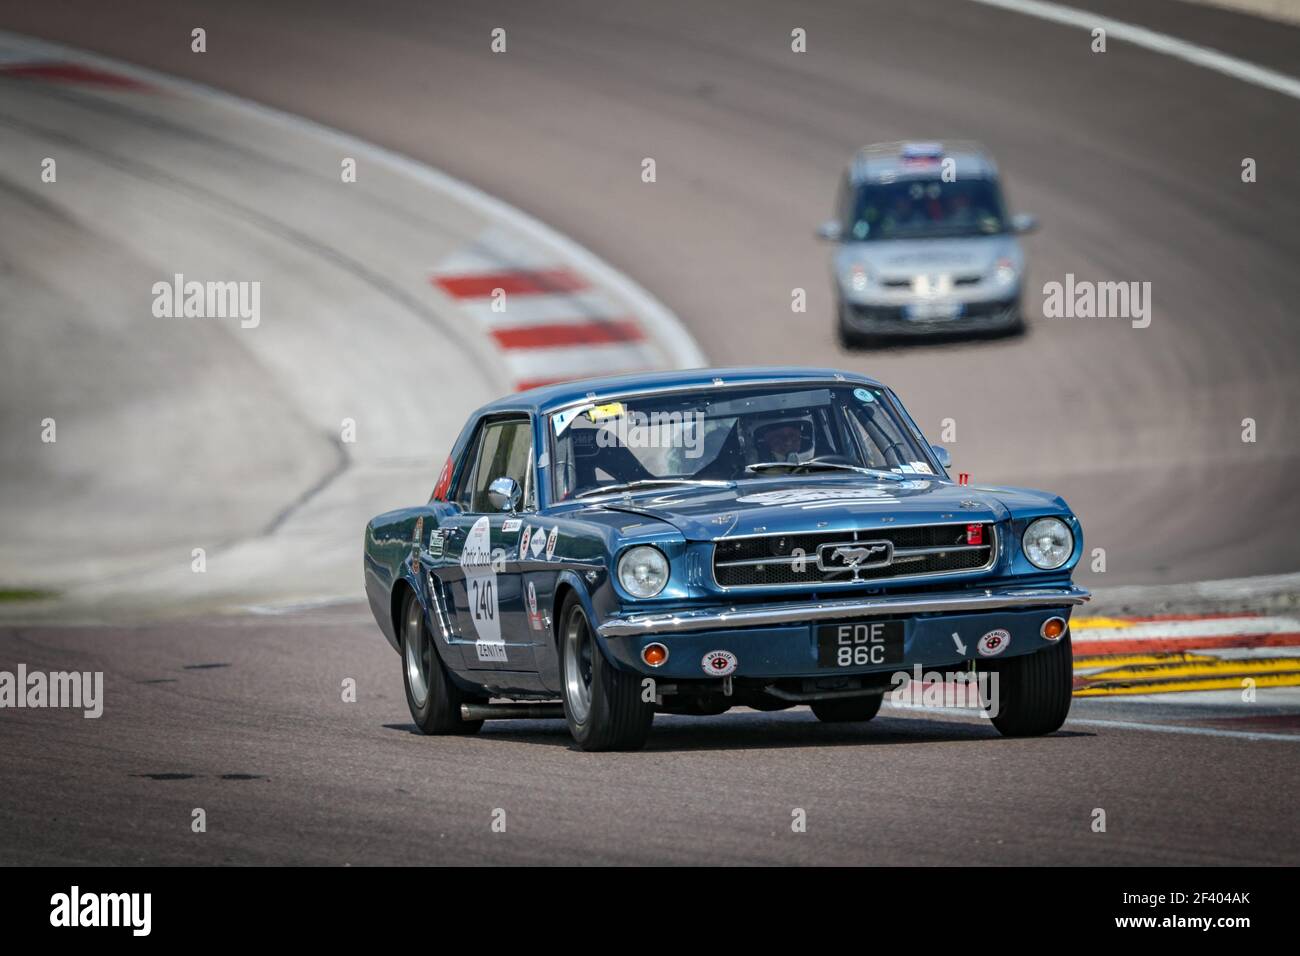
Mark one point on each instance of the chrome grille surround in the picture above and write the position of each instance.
(917, 552)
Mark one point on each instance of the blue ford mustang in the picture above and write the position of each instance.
(689, 541)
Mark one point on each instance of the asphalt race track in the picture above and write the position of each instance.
(1132, 162)
(245, 719)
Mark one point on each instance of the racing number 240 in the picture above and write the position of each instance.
(484, 606)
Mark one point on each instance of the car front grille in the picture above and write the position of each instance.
(811, 559)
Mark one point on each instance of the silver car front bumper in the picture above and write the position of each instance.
(764, 615)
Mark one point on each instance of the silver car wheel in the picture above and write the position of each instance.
(577, 665)
(418, 653)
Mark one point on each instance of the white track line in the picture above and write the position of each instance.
(1118, 724)
(662, 324)
(572, 308)
(1156, 42)
(1175, 729)
(578, 361)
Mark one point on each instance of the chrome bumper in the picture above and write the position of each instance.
(674, 622)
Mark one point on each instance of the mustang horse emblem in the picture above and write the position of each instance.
(855, 557)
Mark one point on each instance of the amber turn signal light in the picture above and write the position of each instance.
(1053, 628)
(654, 654)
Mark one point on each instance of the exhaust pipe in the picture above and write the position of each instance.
(511, 711)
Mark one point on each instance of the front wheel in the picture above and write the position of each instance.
(602, 706)
(433, 699)
(843, 710)
(1031, 693)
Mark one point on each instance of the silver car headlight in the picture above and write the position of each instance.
(643, 571)
(1048, 543)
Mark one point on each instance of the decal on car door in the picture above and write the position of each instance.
(481, 589)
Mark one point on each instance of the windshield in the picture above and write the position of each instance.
(926, 209)
(731, 435)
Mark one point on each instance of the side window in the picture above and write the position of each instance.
(504, 449)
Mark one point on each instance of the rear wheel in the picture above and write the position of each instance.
(602, 706)
(842, 710)
(433, 699)
(1032, 692)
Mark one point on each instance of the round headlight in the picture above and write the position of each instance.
(1048, 543)
(643, 571)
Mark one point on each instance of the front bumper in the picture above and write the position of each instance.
(775, 642)
(783, 652)
(891, 318)
(771, 615)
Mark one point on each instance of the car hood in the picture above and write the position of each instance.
(904, 258)
(796, 504)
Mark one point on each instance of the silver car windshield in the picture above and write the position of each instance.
(653, 441)
(925, 209)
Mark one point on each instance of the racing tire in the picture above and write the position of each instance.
(845, 710)
(1033, 691)
(602, 705)
(430, 694)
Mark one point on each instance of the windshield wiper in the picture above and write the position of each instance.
(649, 483)
(827, 465)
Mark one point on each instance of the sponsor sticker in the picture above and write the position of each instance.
(538, 542)
(862, 395)
(551, 540)
(719, 663)
(523, 541)
(419, 530)
(436, 538)
(481, 587)
(993, 643)
(534, 618)
(562, 420)
(510, 524)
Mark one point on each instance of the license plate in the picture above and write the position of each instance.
(933, 311)
(860, 644)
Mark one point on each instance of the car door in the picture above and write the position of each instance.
(481, 573)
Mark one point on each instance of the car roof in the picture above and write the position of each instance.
(546, 398)
(913, 159)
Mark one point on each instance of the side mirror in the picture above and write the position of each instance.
(941, 453)
(829, 230)
(504, 494)
(1024, 223)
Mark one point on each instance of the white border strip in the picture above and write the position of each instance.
(1175, 729)
(957, 712)
(666, 328)
(1157, 42)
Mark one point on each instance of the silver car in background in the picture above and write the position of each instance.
(925, 245)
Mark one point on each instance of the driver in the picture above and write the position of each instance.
(781, 440)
